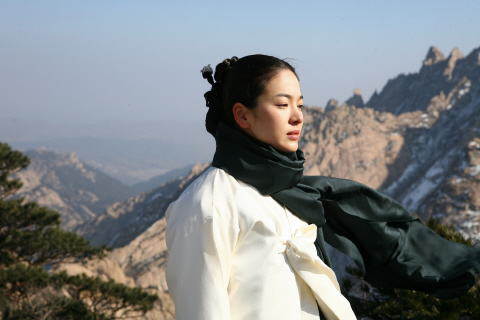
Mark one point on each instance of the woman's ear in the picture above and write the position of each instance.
(240, 114)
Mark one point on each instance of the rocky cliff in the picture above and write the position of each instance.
(141, 263)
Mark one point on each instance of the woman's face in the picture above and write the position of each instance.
(277, 118)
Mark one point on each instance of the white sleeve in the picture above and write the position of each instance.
(201, 234)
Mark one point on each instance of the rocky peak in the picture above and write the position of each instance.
(434, 56)
(451, 61)
(331, 105)
(356, 100)
(411, 92)
(455, 54)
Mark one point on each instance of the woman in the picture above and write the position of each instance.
(247, 239)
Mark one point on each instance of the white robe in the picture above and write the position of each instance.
(228, 255)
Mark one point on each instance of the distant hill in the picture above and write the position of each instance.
(130, 161)
(63, 183)
(129, 151)
(160, 179)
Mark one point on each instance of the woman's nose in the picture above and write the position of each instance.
(296, 115)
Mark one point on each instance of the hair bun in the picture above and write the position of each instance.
(222, 68)
(214, 97)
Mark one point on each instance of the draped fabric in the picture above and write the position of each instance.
(389, 245)
(302, 256)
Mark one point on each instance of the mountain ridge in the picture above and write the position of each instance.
(63, 183)
(412, 92)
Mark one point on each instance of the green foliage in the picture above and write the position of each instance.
(107, 297)
(32, 293)
(32, 242)
(448, 232)
(389, 303)
(51, 305)
(32, 234)
(19, 282)
(10, 162)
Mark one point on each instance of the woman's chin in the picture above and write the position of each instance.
(290, 147)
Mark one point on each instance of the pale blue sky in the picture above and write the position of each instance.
(74, 62)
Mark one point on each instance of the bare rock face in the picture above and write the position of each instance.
(145, 259)
(356, 144)
(61, 182)
(141, 263)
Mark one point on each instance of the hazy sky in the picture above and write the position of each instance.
(75, 62)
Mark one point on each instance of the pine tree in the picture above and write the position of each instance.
(31, 243)
(389, 303)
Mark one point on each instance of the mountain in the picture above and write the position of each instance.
(63, 183)
(130, 161)
(124, 221)
(130, 151)
(438, 74)
(160, 179)
(424, 152)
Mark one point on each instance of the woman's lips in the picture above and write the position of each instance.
(294, 135)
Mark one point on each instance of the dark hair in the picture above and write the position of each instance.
(238, 80)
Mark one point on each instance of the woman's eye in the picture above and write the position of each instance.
(300, 106)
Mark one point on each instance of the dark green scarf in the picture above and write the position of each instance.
(389, 245)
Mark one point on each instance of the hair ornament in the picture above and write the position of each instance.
(207, 73)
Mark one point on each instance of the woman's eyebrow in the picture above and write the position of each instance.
(286, 95)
